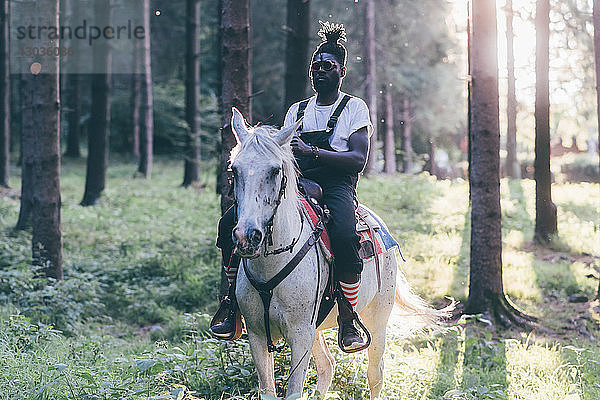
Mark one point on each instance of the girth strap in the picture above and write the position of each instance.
(265, 289)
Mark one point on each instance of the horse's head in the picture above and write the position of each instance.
(264, 173)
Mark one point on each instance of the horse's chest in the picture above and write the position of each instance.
(287, 310)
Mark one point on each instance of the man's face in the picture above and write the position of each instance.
(326, 73)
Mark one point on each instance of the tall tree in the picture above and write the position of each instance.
(4, 94)
(73, 98)
(136, 88)
(235, 79)
(99, 123)
(486, 292)
(469, 90)
(192, 93)
(545, 210)
(371, 81)
(389, 139)
(147, 109)
(596, 13)
(296, 50)
(512, 166)
(44, 88)
(407, 151)
(27, 147)
(234, 36)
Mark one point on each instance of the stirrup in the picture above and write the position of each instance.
(355, 318)
(221, 314)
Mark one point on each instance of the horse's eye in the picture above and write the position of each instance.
(274, 171)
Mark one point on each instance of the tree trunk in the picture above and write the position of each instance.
(147, 112)
(4, 94)
(234, 35)
(469, 91)
(136, 88)
(191, 168)
(74, 115)
(44, 88)
(73, 90)
(545, 210)
(486, 292)
(597, 60)
(389, 142)
(99, 124)
(27, 146)
(512, 168)
(371, 82)
(407, 152)
(296, 50)
(235, 89)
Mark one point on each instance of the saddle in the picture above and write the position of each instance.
(367, 225)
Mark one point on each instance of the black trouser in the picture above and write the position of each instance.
(339, 194)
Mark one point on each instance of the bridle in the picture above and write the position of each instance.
(265, 288)
(269, 225)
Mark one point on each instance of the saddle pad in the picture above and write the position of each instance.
(313, 218)
(365, 216)
(365, 219)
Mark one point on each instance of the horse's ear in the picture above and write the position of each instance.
(285, 135)
(238, 123)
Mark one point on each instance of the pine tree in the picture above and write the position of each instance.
(146, 110)
(99, 123)
(192, 94)
(486, 291)
(296, 50)
(4, 94)
(545, 210)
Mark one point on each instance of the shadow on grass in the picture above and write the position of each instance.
(553, 273)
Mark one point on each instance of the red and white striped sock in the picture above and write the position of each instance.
(231, 271)
(351, 292)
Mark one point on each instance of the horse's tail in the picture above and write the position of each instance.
(414, 306)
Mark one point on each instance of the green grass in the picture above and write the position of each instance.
(141, 273)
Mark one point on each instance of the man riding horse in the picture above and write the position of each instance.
(331, 148)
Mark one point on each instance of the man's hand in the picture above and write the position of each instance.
(299, 147)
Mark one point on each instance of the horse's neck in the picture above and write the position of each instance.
(287, 227)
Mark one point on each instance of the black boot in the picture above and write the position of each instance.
(227, 324)
(350, 339)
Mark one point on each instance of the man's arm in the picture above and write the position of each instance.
(352, 160)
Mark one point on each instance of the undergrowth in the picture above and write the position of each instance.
(129, 320)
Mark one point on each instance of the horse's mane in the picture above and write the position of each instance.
(262, 142)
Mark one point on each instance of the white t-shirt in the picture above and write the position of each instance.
(354, 116)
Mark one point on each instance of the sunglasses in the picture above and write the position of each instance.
(326, 65)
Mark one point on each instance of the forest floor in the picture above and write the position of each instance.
(141, 270)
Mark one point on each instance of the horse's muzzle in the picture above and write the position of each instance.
(247, 242)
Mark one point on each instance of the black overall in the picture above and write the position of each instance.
(339, 194)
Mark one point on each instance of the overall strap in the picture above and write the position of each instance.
(300, 113)
(336, 114)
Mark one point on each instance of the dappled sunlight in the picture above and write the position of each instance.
(432, 261)
(513, 239)
(519, 277)
(535, 368)
(410, 370)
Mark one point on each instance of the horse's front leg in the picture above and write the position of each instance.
(301, 341)
(263, 361)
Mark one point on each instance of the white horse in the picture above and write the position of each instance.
(262, 163)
